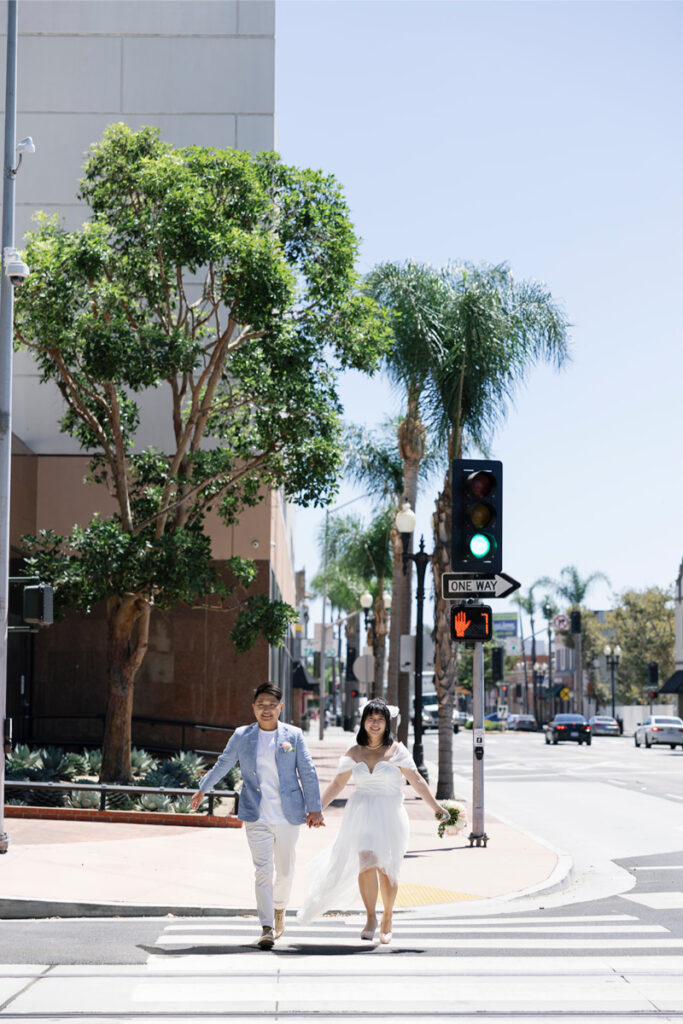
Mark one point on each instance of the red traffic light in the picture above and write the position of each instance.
(471, 622)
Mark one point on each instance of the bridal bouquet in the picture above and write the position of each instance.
(456, 820)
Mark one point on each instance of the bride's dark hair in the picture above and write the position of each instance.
(374, 707)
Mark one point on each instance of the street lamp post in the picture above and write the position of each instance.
(612, 658)
(539, 675)
(366, 603)
(405, 523)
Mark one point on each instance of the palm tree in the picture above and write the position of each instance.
(571, 586)
(413, 295)
(527, 603)
(492, 330)
(363, 555)
(373, 461)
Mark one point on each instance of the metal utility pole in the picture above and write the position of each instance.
(6, 317)
(478, 836)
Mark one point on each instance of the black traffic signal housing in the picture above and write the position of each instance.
(497, 663)
(653, 675)
(575, 622)
(37, 603)
(477, 517)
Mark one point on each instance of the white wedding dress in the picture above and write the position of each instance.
(374, 833)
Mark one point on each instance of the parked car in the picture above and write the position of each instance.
(525, 723)
(430, 717)
(660, 729)
(604, 725)
(511, 721)
(568, 727)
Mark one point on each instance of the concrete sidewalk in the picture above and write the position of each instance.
(80, 869)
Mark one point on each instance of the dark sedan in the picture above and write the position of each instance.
(568, 727)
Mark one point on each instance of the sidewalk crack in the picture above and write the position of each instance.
(30, 983)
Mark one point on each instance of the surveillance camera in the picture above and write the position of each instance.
(15, 268)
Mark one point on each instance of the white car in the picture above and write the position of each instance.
(660, 729)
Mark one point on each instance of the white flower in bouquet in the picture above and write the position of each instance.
(456, 820)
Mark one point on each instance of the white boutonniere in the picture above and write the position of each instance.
(286, 747)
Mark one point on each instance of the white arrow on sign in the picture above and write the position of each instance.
(455, 585)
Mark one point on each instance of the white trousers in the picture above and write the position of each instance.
(272, 847)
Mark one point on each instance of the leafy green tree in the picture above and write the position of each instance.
(642, 624)
(229, 281)
(492, 331)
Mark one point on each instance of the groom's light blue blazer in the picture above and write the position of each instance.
(299, 789)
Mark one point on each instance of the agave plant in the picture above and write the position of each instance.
(183, 805)
(86, 799)
(187, 767)
(94, 762)
(121, 802)
(155, 802)
(141, 762)
(20, 760)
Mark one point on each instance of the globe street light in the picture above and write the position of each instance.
(612, 658)
(405, 524)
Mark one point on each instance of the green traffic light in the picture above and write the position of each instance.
(480, 545)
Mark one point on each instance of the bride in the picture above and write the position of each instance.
(373, 837)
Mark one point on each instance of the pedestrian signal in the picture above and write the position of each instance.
(477, 516)
(497, 663)
(471, 622)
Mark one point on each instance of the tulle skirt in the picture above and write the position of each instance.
(373, 834)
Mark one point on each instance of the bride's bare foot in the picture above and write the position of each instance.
(370, 928)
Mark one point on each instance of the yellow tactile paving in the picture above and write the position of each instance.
(410, 895)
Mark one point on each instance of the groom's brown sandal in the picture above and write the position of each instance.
(267, 940)
(279, 922)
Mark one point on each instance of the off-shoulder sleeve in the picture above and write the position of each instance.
(346, 764)
(402, 758)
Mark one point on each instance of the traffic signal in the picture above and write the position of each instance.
(653, 675)
(38, 605)
(575, 621)
(471, 622)
(477, 517)
(497, 663)
(354, 693)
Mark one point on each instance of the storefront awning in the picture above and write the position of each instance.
(302, 680)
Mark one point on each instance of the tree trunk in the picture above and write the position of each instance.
(445, 663)
(411, 446)
(380, 644)
(128, 632)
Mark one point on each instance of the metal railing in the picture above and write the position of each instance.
(103, 788)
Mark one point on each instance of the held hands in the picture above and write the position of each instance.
(314, 819)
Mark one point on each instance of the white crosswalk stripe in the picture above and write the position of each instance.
(455, 967)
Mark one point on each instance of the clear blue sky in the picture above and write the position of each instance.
(547, 135)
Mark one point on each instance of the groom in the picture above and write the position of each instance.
(279, 792)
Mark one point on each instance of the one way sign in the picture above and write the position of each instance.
(458, 586)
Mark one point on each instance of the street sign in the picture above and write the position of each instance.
(561, 621)
(456, 585)
(471, 622)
